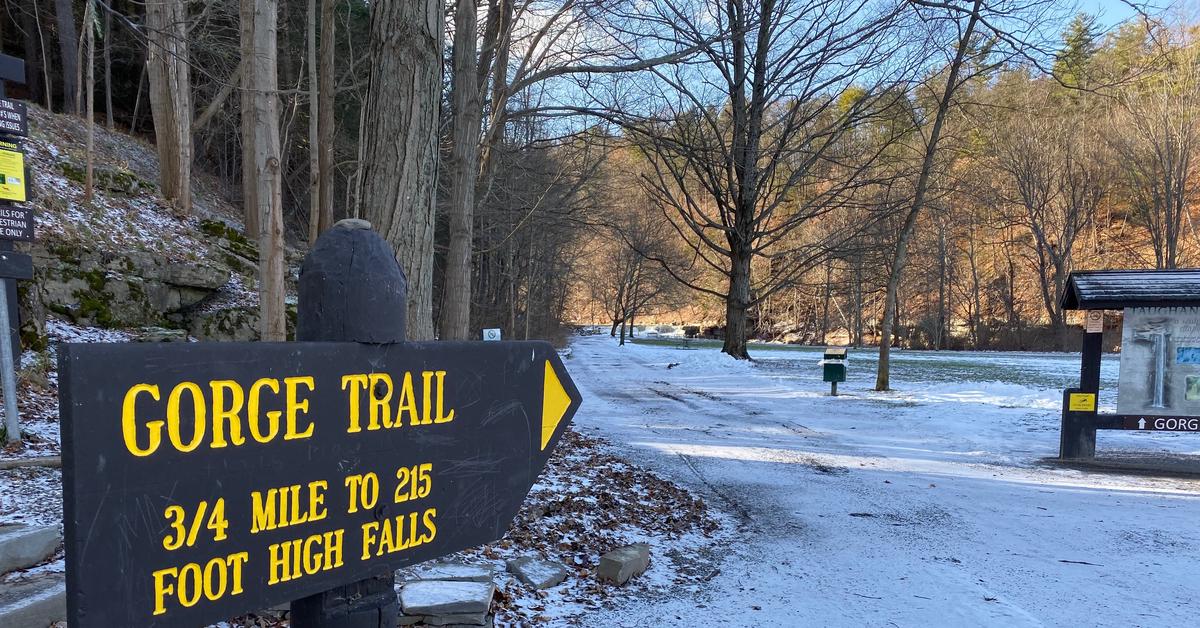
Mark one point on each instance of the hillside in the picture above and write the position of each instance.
(128, 260)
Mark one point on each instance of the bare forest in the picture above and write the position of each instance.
(894, 173)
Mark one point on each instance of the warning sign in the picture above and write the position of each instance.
(12, 173)
(1082, 402)
(1094, 321)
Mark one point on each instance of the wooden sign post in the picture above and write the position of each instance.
(205, 480)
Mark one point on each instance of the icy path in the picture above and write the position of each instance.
(926, 507)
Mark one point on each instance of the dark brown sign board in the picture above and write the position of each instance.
(16, 222)
(1155, 423)
(15, 265)
(206, 480)
(12, 69)
(14, 118)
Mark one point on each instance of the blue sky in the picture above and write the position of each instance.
(1113, 11)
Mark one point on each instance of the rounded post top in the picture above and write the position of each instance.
(351, 288)
(352, 223)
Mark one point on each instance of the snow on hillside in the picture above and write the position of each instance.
(126, 212)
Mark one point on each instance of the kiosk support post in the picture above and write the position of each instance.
(1079, 419)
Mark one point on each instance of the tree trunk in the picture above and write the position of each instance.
(170, 98)
(858, 302)
(34, 64)
(90, 39)
(910, 221)
(314, 140)
(137, 101)
(499, 44)
(261, 154)
(467, 107)
(825, 304)
(108, 107)
(69, 54)
(943, 296)
(399, 147)
(737, 302)
(889, 305)
(250, 209)
(325, 121)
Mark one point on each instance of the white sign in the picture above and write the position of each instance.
(491, 335)
(1094, 322)
(1160, 362)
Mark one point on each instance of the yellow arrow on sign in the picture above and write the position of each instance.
(555, 402)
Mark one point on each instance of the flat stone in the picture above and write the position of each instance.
(537, 573)
(160, 334)
(408, 620)
(23, 546)
(442, 597)
(458, 619)
(453, 572)
(488, 623)
(34, 603)
(624, 563)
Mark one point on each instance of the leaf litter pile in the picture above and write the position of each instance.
(588, 502)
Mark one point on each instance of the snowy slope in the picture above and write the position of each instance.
(927, 506)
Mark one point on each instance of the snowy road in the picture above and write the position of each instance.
(924, 507)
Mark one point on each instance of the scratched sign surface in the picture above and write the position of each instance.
(206, 480)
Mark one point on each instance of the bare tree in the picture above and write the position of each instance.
(108, 88)
(399, 147)
(1157, 139)
(171, 97)
(466, 105)
(68, 53)
(325, 117)
(749, 142)
(314, 135)
(261, 160)
(89, 33)
(1059, 177)
(568, 41)
(964, 25)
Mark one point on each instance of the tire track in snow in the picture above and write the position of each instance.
(742, 512)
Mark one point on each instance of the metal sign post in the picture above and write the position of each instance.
(14, 266)
(16, 223)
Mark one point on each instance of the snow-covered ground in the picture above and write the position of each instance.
(929, 506)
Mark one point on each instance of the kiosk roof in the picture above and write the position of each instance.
(1119, 289)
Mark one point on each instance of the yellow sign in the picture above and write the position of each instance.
(1082, 402)
(12, 176)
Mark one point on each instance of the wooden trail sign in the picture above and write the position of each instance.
(14, 118)
(206, 480)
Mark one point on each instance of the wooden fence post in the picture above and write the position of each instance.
(351, 290)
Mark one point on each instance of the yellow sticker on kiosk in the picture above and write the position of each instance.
(1082, 402)
(12, 175)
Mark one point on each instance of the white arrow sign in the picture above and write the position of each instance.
(1141, 424)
